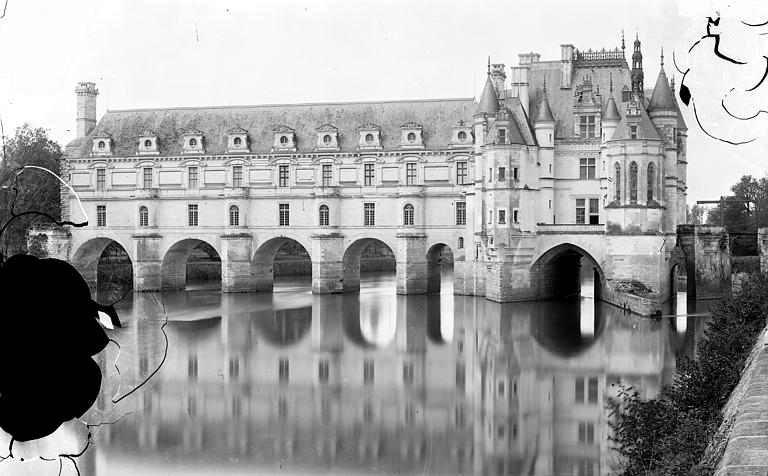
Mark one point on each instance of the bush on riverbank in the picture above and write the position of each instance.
(670, 433)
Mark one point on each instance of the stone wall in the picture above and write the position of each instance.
(745, 418)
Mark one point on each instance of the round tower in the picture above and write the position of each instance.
(611, 117)
(544, 127)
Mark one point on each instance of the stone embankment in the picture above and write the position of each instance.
(746, 453)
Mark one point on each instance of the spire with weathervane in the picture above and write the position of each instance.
(489, 101)
(637, 68)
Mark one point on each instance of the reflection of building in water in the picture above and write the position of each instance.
(350, 383)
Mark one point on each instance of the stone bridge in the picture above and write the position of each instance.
(533, 266)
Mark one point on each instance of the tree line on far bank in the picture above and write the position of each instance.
(30, 190)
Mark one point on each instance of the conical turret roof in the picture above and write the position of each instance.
(611, 111)
(545, 113)
(489, 101)
(662, 97)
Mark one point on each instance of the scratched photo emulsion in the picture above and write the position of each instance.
(406, 238)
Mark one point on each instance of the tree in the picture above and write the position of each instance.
(30, 190)
(741, 218)
(697, 215)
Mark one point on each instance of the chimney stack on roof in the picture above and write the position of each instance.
(86, 107)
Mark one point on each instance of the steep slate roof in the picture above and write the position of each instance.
(437, 116)
(489, 101)
(611, 112)
(561, 100)
(662, 97)
(647, 129)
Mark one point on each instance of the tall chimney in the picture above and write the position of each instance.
(86, 107)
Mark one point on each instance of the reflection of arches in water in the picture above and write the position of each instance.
(194, 330)
(292, 256)
(284, 327)
(439, 262)
(561, 271)
(369, 323)
(440, 318)
(103, 261)
(557, 325)
(353, 255)
(176, 263)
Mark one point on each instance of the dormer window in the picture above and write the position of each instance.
(587, 127)
(237, 140)
(285, 139)
(461, 135)
(148, 143)
(502, 136)
(626, 95)
(102, 144)
(327, 137)
(192, 141)
(411, 136)
(633, 132)
(370, 137)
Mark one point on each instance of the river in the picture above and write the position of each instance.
(371, 383)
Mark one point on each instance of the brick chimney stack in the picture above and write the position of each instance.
(86, 107)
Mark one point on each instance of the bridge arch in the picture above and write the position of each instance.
(351, 261)
(263, 262)
(174, 267)
(91, 253)
(439, 257)
(557, 272)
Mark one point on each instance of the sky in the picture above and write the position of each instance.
(150, 53)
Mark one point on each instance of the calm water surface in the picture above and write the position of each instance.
(373, 383)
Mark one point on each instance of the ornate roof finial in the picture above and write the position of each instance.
(545, 85)
(672, 84)
(662, 56)
(489, 65)
(622, 39)
(610, 82)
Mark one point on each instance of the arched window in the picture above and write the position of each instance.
(633, 182)
(462, 135)
(461, 242)
(283, 140)
(147, 143)
(234, 216)
(651, 181)
(143, 216)
(617, 182)
(102, 145)
(325, 215)
(411, 137)
(193, 142)
(408, 215)
(237, 141)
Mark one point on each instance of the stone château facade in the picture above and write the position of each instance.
(569, 160)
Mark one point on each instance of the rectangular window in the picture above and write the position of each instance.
(410, 173)
(237, 175)
(515, 173)
(515, 216)
(633, 132)
(592, 390)
(147, 177)
(192, 177)
(101, 179)
(284, 213)
(490, 217)
(192, 214)
(101, 215)
(408, 374)
(478, 250)
(502, 174)
(594, 212)
(282, 174)
(283, 371)
(368, 372)
(580, 210)
(461, 173)
(579, 390)
(234, 368)
(368, 174)
(323, 371)
(502, 136)
(461, 376)
(586, 432)
(587, 168)
(502, 217)
(369, 214)
(327, 175)
(461, 213)
(587, 127)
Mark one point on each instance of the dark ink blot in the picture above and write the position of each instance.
(685, 94)
(50, 331)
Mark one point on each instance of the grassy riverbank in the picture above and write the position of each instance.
(677, 433)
